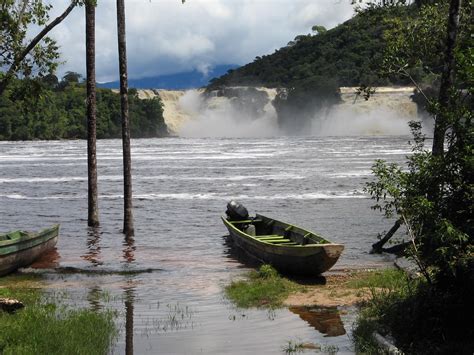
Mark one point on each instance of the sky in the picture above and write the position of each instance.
(166, 36)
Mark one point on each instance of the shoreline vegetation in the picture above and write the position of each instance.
(393, 303)
(49, 109)
(266, 288)
(47, 325)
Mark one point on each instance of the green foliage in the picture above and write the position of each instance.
(48, 109)
(423, 320)
(432, 195)
(346, 54)
(415, 50)
(313, 67)
(45, 327)
(262, 288)
(16, 18)
(440, 221)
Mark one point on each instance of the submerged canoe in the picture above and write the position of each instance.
(288, 248)
(20, 248)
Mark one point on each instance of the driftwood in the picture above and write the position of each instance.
(10, 305)
(398, 249)
(378, 248)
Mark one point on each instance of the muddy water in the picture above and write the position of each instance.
(167, 282)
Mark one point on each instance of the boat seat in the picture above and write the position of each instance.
(269, 236)
(278, 241)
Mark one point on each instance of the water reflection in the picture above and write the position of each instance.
(94, 297)
(129, 257)
(129, 300)
(237, 254)
(93, 254)
(325, 320)
(129, 248)
(49, 260)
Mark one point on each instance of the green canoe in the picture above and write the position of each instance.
(20, 248)
(288, 248)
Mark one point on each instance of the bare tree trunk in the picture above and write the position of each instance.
(19, 58)
(378, 247)
(127, 161)
(447, 79)
(93, 214)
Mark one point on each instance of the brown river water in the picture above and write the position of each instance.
(167, 283)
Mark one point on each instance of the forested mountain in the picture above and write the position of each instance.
(312, 67)
(48, 109)
(346, 55)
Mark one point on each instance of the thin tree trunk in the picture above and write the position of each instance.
(19, 58)
(93, 213)
(447, 79)
(127, 161)
(378, 247)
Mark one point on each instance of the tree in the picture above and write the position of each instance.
(18, 55)
(92, 205)
(317, 29)
(128, 228)
(447, 79)
(433, 196)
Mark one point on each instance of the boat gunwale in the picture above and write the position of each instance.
(28, 242)
(306, 246)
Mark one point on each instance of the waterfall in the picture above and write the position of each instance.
(386, 112)
(249, 112)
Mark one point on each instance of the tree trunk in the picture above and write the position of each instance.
(21, 56)
(447, 79)
(127, 161)
(378, 247)
(93, 214)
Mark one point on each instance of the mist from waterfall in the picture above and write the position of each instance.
(193, 114)
(217, 117)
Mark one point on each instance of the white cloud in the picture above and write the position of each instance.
(165, 36)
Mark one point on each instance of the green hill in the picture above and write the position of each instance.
(311, 68)
(345, 55)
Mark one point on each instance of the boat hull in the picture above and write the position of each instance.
(305, 260)
(24, 251)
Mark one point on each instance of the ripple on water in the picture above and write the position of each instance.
(181, 187)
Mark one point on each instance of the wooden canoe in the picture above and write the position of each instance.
(20, 248)
(288, 248)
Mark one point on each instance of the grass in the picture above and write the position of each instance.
(48, 327)
(262, 288)
(386, 279)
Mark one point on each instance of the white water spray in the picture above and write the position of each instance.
(191, 114)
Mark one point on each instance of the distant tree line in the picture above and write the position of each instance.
(48, 108)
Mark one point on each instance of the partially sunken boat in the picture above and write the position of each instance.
(288, 248)
(20, 248)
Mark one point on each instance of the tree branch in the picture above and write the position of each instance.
(19, 58)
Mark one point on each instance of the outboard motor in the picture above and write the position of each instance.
(236, 211)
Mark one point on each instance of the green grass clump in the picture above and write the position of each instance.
(262, 288)
(48, 327)
(390, 279)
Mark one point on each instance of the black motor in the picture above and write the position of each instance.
(236, 211)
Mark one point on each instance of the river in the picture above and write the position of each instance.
(181, 187)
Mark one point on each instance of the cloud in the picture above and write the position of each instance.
(165, 36)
